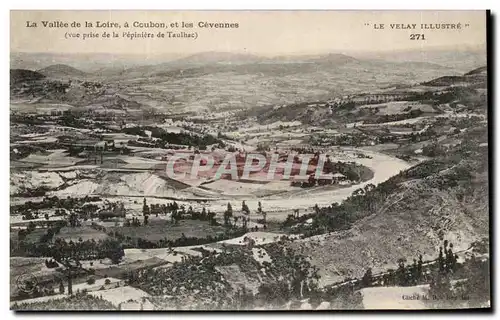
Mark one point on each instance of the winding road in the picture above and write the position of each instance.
(278, 207)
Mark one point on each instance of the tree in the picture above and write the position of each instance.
(401, 273)
(244, 208)
(414, 276)
(275, 292)
(21, 234)
(145, 208)
(113, 250)
(419, 268)
(369, 187)
(441, 261)
(135, 222)
(175, 206)
(451, 259)
(73, 220)
(316, 209)
(228, 214)
(296, 213)
(389, 278)
(357, 192)
(61, 287)
(367, 278)
(211, 217)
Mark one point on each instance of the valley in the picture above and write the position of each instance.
(374, 181)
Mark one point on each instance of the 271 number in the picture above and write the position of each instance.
(417, 36)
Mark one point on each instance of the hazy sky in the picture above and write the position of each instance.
(259, 32)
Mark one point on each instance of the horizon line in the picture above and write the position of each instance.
(267, 55)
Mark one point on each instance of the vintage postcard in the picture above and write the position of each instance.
(249, 160)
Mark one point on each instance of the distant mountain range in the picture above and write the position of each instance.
(238, 58)
(462, 58)
(116, 64)
(253, 80)
(87, 62)
(211, 62)
(218, 57)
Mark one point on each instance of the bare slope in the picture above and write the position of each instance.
(407, 215)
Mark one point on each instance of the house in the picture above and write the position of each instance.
(112, 211)
(101, 145)
(325, 178)
(338, 177)
(107, 215)
(301, 178)
(303, 181)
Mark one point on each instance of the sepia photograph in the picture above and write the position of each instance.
(249, 160)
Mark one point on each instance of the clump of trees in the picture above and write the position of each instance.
(290, 276)
(454, 284)
(81, 250)
(433, 150)
(295, 276)
(83, 206)
(177, 213)
(451, 283)
(394, 117)
(80, 301)
(165, 138)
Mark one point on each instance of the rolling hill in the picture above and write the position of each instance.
(471, 77)
(61, 70)
(470, 85)
(22, 75)
(333, 58)
(481, 70)
(26, 84)
(408, 215)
